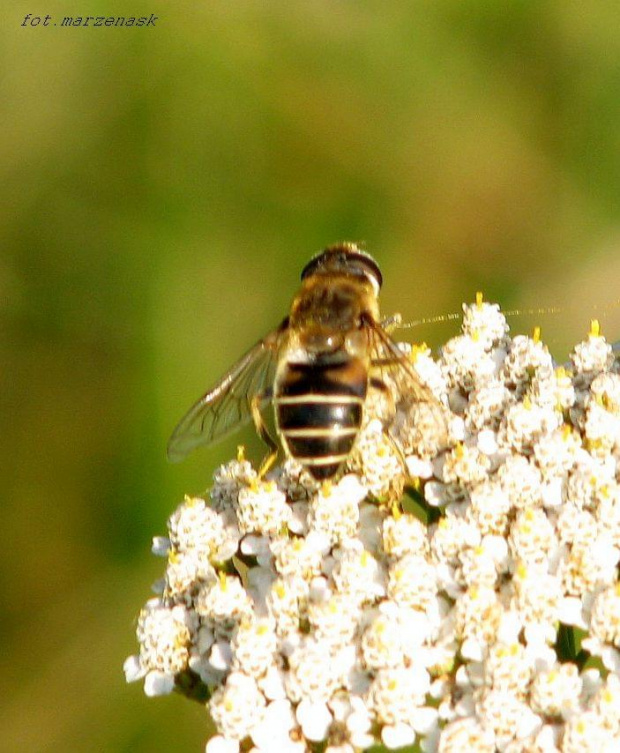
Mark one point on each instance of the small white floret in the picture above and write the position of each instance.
(158, 683)
(315, 719)
(219, 744)
(397, 735)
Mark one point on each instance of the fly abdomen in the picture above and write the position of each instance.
(319, 409)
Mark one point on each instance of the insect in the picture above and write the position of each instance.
(317, 369)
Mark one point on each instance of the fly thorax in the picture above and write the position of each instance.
(331, 304)
(323, 343)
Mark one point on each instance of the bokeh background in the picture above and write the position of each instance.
(162, 188)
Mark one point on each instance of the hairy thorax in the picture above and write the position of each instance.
(326, 309)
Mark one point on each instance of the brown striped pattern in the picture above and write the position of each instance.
(319, 412)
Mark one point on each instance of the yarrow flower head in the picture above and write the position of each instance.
(456, 587)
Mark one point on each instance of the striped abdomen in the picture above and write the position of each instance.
(319, 410)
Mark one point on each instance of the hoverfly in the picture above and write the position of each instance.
(316, 368)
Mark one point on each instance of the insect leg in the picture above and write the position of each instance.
(380, 385)
(261, 428)
(398, 450)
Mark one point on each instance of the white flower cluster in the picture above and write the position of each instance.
(479, 612)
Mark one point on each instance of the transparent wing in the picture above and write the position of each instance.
(229, 403)
(413, 399)
(392, 363)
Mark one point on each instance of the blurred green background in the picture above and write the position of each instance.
(161, 190)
